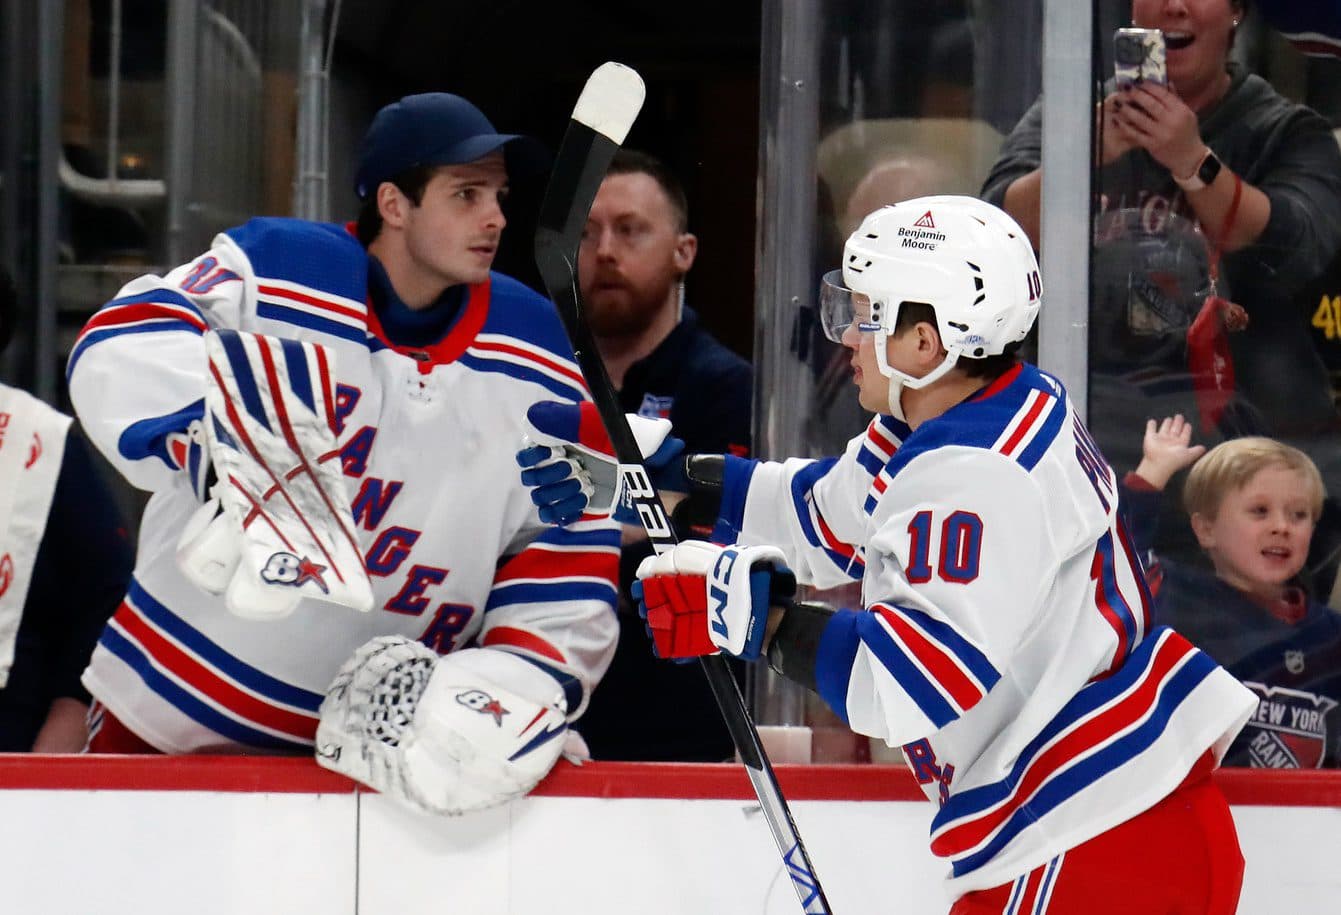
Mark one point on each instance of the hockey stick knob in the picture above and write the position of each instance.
(611, 100)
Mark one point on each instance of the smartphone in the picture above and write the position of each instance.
(1139, 57)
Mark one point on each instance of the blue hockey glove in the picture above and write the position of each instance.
(568, 462)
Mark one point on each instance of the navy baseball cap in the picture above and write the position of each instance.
(437, 128)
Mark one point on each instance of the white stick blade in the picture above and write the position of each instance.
(611, 100)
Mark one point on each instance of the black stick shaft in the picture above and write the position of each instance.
(583, 159)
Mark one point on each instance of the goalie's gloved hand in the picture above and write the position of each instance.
(569, 464)
(210, 547)
(189, 450)
(463, 732)
(277, 527)
(701, 598)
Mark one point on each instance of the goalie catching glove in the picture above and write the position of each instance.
(443, 735)
(277, 526)
(569, 462)
(700, 598)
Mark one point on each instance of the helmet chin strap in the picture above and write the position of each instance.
(896, 398)
(900, 380)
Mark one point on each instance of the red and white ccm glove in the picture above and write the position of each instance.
(700, 598)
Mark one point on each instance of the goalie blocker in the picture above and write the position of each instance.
(277, 526)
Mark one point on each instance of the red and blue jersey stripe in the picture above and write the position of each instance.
(942, 671)
(155, 311)
(562, 564)
(878, 447)
(1019, 416)
(206, 683)
(846, 557)
(312, 309)
(1109, 723)
(521, 359)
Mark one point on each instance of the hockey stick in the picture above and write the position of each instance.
(601, 119)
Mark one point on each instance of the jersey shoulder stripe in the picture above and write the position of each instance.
(309, 275)
(1017, 416)
(311, 308)
(1032, 429)
(329, 304)
(154, 311)
(525, 316)
(879, 444)
(317, 323)
(519, 358)
(884, 436)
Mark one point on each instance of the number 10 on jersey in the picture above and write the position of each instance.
(958, 547)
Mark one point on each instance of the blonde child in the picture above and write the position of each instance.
(1253, 504)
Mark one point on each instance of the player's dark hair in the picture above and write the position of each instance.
(635, 162)
(411, 182)
(990, 367)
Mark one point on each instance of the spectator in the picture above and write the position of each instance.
(65, 558)
(636, 250)
(1253, 503)
(431, 384)
(1260, 176)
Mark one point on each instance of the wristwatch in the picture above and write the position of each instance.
(1204, 174)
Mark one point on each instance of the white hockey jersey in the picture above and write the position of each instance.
(1004, 638)
(427, 439)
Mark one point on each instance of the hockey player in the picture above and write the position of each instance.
(1003, 638)
(357, 392)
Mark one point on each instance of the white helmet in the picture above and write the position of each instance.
(962, 256)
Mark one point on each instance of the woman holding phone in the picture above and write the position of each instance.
(1211, 172)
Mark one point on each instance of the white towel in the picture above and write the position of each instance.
(32, 442)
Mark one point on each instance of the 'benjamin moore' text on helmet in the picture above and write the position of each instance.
(964, 257)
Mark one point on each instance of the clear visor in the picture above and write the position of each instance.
(840, 308)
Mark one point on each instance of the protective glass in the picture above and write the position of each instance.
(840, 307)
